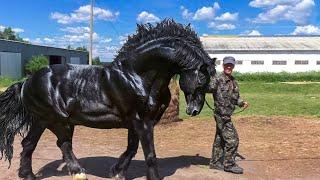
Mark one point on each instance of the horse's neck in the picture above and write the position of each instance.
(146, 73)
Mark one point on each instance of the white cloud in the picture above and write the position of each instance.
(26, 39)
(228, 17)
(254, 33)
(83, 15)
(270, 3)
(291, 10)
(123, 39)
(76, 39)
(251, 33)
(106, 40)
(224, 26)
(2, 28)
(146, 17)
(204, 13)
(185, 13)
(76, 30)
(48, 40)
(306, 30)
(18, 30)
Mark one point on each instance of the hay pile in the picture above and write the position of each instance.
(172, 112)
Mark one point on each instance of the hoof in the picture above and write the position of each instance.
(114, 174)
(118, 177)
(29, 177)
(80, 176)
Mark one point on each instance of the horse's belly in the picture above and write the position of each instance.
(98, 120)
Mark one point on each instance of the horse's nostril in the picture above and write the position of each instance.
(194, 112)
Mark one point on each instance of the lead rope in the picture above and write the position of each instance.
(213, 109)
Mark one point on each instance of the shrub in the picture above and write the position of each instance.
(36, 63)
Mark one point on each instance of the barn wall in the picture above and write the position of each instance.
(246, 66)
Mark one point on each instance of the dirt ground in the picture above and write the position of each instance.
(274, 147)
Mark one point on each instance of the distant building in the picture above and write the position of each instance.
(14, 55)
(266, 54)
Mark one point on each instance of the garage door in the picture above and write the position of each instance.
(75, 60)
(10, 65)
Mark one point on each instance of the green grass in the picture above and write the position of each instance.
(278, 77)
(5, 81)
(272, 99)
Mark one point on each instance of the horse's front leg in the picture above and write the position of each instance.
(144, 129)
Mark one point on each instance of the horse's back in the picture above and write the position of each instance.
(56, 89)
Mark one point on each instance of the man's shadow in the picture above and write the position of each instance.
(99, 166)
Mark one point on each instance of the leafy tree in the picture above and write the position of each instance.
(36, 63)
(9, 34)
(83, 48)
(96, 61)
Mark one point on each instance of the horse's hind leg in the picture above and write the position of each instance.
(64, 134)
(29, 144)
(120, 168)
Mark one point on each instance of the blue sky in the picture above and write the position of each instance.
(61, 23)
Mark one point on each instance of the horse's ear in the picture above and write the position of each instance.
(212, 67)
(213, 60)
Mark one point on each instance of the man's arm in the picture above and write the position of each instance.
(240, 102)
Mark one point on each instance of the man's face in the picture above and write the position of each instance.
(228, 68)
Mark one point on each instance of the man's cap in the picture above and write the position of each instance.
(229, 60)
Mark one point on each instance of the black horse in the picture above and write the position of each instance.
(132, 92)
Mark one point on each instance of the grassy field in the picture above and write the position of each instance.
(278, 77)
(272, 99)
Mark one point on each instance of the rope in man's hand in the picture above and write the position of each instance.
(245, 106)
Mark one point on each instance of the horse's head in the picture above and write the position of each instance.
(193, 83)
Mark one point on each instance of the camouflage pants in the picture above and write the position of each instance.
(226, 142)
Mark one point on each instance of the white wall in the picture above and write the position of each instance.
(268, 59)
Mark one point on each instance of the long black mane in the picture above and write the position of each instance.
(190, 51)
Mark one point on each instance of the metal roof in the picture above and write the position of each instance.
(37, 45)
(261, 43)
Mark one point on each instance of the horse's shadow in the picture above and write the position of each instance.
(99, 166)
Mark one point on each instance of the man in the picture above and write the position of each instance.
(226, 96)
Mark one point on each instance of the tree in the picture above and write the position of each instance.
(36, 63)
(9, 34)
(96, 61)
(83, 48)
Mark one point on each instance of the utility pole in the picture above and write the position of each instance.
(91, 32)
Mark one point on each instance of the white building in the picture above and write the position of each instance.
(266, 54)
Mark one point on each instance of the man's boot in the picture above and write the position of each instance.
(218, 165)
(234, 169)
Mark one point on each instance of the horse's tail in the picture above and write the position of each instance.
(13, 119)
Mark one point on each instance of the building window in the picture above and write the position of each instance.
(279, 62)
(239, 62)
(318, 62)
(301, 62)
(218, 62)
(257, 62)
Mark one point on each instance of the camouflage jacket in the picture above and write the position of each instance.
(226, 95)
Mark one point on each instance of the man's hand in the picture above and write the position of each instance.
(245, 105)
